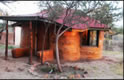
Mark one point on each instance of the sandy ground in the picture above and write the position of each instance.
(109, 67)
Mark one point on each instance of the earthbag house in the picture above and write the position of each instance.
(75, 44)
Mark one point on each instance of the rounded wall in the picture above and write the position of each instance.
(91, 52)
(69, 46)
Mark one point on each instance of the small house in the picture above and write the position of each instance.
(77, 43)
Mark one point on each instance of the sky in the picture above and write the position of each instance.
(29, 7)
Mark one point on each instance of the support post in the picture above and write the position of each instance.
(31, 43)
(6, 47)
(36, 40)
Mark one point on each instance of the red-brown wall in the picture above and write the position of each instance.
(25, 36)
(10, 38)
(40, 37)
(69, 43)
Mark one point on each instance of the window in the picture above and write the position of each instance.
(90, 38)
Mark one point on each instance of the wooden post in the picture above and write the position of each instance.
(35, 40)
(31, 42)
(6, 47)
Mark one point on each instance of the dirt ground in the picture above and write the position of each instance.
(109, 67)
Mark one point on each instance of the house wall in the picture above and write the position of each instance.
(40, 37)
(69, 43)
(71, 50)
(69, 46)
(10, 38)
(25, 36)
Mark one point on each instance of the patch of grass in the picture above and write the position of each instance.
(9, 46)
(95, 68)
(118, 69)
(111, 52)
(2, 46)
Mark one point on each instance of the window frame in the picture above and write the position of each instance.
(88, 39)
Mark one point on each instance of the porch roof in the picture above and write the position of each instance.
(39, 18)
(20, 18)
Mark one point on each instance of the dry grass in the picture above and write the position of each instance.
(118, 69)
(112, 52)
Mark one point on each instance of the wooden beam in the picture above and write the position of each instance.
(104, 29)
(79, 30)
(20, 18)
(6, 47)
(31, 42)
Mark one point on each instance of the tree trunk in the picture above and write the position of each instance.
(57, 55)
(57, 48)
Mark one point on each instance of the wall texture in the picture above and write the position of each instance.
(10, 38)
(25, 36)
(69, 44)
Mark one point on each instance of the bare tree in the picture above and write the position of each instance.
(71, 13)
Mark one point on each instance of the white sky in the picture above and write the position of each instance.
(22, 7)
(28, 7)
